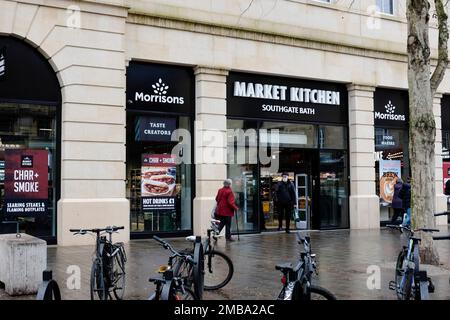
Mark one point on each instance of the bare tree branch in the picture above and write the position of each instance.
(442, 64)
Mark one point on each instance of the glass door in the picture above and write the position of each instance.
(303, 201)
(333, 204)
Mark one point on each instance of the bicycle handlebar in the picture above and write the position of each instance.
(110, 229)
(442, 214)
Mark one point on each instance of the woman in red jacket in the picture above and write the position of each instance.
(225, 208)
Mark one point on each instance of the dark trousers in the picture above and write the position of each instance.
(398, 212)
(225, 222)
(284, 210)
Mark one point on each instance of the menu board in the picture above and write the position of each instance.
(158, 183)
(390, 170)
(26, 182)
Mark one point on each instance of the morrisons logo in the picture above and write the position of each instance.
(390, 114)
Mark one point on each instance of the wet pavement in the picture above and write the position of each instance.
(344, 258)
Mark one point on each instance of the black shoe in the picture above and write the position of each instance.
(279, 229)
(288, 231)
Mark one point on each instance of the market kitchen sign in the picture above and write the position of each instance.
(283, 98)
(26, 182)
(157, 87)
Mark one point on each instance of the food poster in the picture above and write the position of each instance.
(158, 183)
(390, 170)
(26, 182)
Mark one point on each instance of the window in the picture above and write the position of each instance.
(158, 188)
(386, 6)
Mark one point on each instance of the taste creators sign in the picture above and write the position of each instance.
(26, 182)
(285, 98)
(154, 129)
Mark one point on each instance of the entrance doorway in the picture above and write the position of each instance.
(302, 168)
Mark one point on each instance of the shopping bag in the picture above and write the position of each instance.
(295, 214)
(214, 211)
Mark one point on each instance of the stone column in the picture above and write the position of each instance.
(210, 142)
(441, 199)
(364, 203)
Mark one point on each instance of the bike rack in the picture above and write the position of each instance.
(49, 289)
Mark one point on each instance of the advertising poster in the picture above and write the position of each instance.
(158, 184)
(446, 175)
(390, 170)
(26, 182)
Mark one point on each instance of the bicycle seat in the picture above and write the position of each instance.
(284, 267)
(157, 280)
(190, 238)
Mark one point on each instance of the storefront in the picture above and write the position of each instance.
(277, 125)
(159, 171)
(391, 144)
(445, 117)
(30, 112)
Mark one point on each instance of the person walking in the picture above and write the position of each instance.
(397, 203)
(225, 208)
(405, 195)
(285, 199)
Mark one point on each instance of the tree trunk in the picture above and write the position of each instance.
(422, 127)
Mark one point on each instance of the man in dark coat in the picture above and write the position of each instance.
(405, 195)
(397, 203)
(225, 208)
(285, 199)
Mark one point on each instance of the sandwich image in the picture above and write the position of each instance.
(156, 187)
(163, 178)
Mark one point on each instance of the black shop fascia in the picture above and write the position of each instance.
(268, 97)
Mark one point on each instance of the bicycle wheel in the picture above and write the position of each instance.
(199, 270)
(184, 270)
(406, 285)
(98, 290)
(319, 293)
(218, 270)
(188, 294)
(118, 287)
(399, 271)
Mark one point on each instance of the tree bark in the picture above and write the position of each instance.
(422, 127)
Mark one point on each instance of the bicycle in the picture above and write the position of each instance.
(297, 281)
(219, 268)
(192, 271)
(410, 282)
(108, 266)
(171, 286)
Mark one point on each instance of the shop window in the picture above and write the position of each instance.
(332, 137)
(291, 135)
(159, 174)
(392, 157)
(28, 138)
(242, 169)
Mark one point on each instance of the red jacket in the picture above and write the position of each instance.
(225, 202)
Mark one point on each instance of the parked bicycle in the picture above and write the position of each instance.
(192, 271)
(171, 285)
(219, 268)
(297, 281)
(108, 266)
(411, 282)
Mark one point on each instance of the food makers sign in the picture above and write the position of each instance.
(26, 182)
(282, 98)
(159, 87)
(158, 182)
